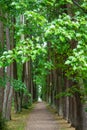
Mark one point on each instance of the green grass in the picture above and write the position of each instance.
(18, 121)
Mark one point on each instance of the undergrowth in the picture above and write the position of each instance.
(3, 125)
(18, 121)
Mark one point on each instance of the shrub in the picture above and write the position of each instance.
(3, 125)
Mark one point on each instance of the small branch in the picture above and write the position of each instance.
(77, 4)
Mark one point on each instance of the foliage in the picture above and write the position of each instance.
(69, 92)
(46, 22)
(2, 81)
(78, 61)
(18, 85)
(21, 53)
(3, 125)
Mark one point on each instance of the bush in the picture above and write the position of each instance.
(3, 125)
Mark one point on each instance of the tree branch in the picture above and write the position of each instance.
(77, 4)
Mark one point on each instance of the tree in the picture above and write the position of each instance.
(49, 53)
(1, 51)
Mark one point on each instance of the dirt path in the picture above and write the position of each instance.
(41, 119)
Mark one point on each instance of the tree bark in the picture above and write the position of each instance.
(8, 92)
(1, 69)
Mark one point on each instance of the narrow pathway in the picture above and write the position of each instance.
(41, 119)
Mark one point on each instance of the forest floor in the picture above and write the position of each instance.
(40, 116)
(18, 120)
(43, 119)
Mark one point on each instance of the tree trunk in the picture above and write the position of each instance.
(8, 92)
(1, 69)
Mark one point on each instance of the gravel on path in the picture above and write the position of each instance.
(41, 119)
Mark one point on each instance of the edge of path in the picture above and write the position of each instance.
(63, 124)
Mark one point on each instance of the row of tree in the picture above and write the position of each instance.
(43, 46)
(16, 82)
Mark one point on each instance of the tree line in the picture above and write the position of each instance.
(43, 44)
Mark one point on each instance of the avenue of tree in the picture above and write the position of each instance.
(43, 52)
